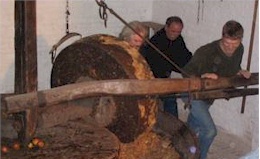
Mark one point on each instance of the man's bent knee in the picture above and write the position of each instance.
(211, 133)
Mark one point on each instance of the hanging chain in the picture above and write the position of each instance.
(67, 16)
(200, 12)
(54, 48)
(103, 11)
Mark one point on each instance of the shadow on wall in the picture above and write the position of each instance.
(7, 82)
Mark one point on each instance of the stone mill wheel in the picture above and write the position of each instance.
(103, 57)
(132, 119)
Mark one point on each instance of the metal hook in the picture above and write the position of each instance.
(102, 11)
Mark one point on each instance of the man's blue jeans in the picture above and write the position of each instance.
(201, 122)
(170, 105)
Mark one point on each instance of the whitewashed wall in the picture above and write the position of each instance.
(85, 20)
(196, 33)
(51, 27)
(7, 46)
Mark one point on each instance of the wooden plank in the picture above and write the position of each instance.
(125, 87)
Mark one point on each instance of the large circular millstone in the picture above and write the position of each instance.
(103, 57)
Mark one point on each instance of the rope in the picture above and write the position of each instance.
(103, 16)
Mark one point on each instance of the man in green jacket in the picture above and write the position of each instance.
(220, 58)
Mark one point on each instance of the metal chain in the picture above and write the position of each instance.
(202, 10)
(102, 11)
(198, 12)
(67, 16)
(54, 49)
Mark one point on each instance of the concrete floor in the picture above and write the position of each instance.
(227, 146)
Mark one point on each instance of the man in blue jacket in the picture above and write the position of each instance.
(170, 42)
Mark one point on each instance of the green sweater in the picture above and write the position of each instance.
(211, 59)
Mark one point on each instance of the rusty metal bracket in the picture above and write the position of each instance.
(63, 39)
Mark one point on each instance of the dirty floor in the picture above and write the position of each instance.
(226, 146)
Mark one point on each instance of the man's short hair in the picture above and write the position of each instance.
(233, 29)
(173, 19)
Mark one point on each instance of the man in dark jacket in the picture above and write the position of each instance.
(170, 42)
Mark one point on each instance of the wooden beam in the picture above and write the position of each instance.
(26, 58)
(125, 87)
(225, 93)
(25, 47)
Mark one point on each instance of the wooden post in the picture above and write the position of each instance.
(26, 58)
(250, 50)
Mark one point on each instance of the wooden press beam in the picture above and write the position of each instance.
(132, 87)
(26, 58)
